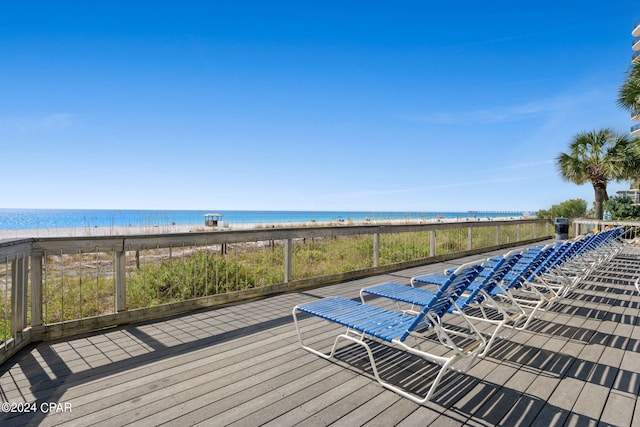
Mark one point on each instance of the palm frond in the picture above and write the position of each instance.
(629, 91)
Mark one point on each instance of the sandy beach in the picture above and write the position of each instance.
(100, 231)
(196, 228)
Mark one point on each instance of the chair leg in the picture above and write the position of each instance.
(359, 340)
(432, 389)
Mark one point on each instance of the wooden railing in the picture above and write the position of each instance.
(587, 225)
(54, 287)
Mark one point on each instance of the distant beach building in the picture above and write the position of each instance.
(635, 59)
(633, 194)
(213, 220)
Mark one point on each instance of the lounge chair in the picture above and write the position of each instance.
(572, 262)
(557, 271)
(494, 269)
(406, 332)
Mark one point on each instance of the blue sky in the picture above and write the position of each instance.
(331, 105)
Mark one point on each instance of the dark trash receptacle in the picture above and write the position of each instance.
(561, 226)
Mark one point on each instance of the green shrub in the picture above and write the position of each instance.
(574, 208)
(622, 208)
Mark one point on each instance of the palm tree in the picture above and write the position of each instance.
(629, 92)
(599, 157)
(629, 99)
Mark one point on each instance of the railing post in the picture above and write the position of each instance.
(535, 230)
(121, 283)
(432, 243)
(470, 238)
(287, 260)
(518, 233)
(376, 249)
(19, 281)
(36, 289)
(497, 235)
(24, 271)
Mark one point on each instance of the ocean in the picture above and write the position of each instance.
(20, 219)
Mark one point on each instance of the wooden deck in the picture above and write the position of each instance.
(242, 365)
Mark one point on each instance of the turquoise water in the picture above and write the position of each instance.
(18, 219)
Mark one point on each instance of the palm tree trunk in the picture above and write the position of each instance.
(601, 197)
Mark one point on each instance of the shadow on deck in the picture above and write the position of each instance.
(242, 365)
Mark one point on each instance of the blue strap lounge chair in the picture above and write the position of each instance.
(472, 272)
(493, 271)
(558, 274)
(406, 332)
(554, 276)
(571, 262)
(510, 291)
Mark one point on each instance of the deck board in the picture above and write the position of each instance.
(242, 365)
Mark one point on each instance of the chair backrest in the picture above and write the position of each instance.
(452, 273)
(492, 272)
(445, 295)
(613, 235)
(593, 241)
(458, 285)
(557, 256)
(582, 246)
(490, 267)
(501, 269)
(531, 259)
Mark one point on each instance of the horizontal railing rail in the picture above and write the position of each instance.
(588, 225)
(60, 286)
